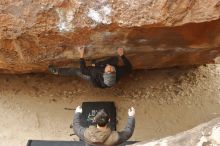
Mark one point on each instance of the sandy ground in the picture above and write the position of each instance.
(167, 101)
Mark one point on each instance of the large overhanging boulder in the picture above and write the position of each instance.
(154, 33)
(207, 134)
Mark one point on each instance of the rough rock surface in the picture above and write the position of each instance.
(203, 135)
(154, 33)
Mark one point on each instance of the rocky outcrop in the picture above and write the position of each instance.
(206, 134)
(154, 33)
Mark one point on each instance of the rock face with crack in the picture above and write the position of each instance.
(154, 33)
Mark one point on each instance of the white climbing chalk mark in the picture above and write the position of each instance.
(101, 15)
(94, 15)
(65, 21)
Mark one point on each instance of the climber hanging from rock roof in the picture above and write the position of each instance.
(102, 74)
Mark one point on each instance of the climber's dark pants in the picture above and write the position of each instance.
(72, 72)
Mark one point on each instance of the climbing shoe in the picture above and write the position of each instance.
(52, 69)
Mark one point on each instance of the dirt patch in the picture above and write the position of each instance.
(167, 101)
